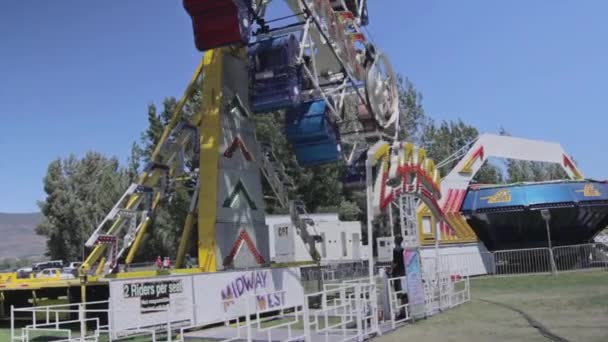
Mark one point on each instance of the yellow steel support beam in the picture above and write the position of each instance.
(175, 116)
(210, 132)
(184, 241)
(100, 266)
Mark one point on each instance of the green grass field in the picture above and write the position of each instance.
(571, 305)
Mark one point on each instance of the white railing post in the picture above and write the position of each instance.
(306, 319)
(358, 310)
(12, 322)
(168, 311)
(248, 320)
(81, 318)
(468, 284)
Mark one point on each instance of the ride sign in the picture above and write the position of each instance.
(153, 296)
(415, 288)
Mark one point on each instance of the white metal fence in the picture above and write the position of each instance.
(76, 322)
(342, 311)
(398, 307)
(523, 261)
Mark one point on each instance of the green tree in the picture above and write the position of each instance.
(412, 118)
(164, 233)
(79, 192)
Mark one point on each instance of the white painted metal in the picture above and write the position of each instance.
(330, 228)
(283, 249)
(474, 258)
(384, 247)
(342, 312)
(500, 146)
(408, 220)
(602, 237)
(370, 215)
(399, 309)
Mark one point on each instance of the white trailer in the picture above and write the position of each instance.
(340, 240)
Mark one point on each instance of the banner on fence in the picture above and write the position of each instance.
(415, 288)
(201, 298)
(224, 294)
(151, 302)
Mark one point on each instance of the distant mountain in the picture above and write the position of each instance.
(18, 236)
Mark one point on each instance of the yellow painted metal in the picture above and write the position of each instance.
(186, 270)
(136, 274)
(464, 232)
(420, 157)
(210, 132)
(380, 152)
(430, 167)
(184, 241)
(454, 222)
(422, 212)
(99, 269)
(467, 168)
(468, 231)
(83, 293)
(5, 277)
(192, 85)
(408, 149)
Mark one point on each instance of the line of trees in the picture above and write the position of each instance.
(81, 191)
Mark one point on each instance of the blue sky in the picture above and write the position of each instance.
(78, 76)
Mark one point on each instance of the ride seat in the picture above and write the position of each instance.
(313, 136)
(218, 23)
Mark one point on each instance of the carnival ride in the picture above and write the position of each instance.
(338, 93)
(509, 216)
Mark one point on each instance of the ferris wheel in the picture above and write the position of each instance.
(318, 55)
(336, 89)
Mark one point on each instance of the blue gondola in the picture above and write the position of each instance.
(276, 77)
(312, 135)
(355, 172)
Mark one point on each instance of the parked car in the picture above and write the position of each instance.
(39, 266)
(72, 268)
(52, 273)
(24, 272)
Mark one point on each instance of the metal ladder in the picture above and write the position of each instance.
(305, 227)
(274, 172)
(407, 207)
